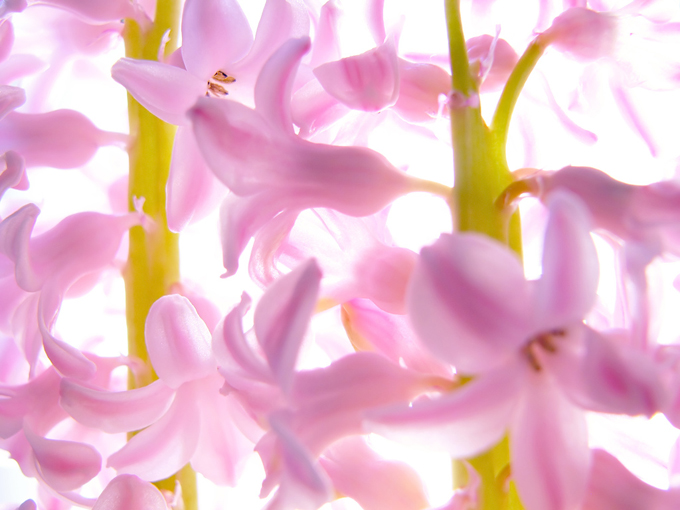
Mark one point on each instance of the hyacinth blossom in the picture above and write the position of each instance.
(306, 378)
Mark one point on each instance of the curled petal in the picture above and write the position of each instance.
(129, 492)
(568, 286)
(549, 448)
(166, 91)
(58, 139)
(304, 486)
(178, 341)
(64, 465)
(29, 504)
(10, 99)
(275, 82)
(14, 175)
(420, 86)
(469, 301)
(375, 483)
(368, 82)
(464, 422)
(97, 10)
(613, 487)
(166, 446)
(282, 316)
(214, 33)
(114, 412)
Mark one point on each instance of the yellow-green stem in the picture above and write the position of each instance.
(481, 174)
(153, 260)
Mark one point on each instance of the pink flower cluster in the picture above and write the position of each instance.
(449, 347)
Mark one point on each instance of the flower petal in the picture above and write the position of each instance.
(469, 301)
(166, 446)
(549, 448)
(10, 99)
(275, 83)
(214, 33)
(64, 465)
(282, 316)
(129, 492)
(368, 82)
(166, 91)
(567, 288)
(113, 412)
(464, 422)
(178, 341)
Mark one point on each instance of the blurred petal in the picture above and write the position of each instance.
(97, 10)
(129, 492)
(14, 174)
(282, 316)
(192, 189)
(420, 86)
(469, 301)
(178, 341)
(368, 82)
(114, 412)
(613, 487)
(10, 99)
(463, 422)
(58, 139)
(549, 448)
(214, 33)
(375, 483)
(166, 91)
(567, 288)
(65, 465)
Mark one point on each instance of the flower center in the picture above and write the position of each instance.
(545, 341)
(216, 84)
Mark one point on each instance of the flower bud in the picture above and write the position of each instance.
(582, 33)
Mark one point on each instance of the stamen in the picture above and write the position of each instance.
(216, 90)
(223, 77)
(546, 341)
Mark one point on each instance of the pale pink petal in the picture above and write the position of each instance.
(232, 350)
(326, 46)
(463, 422)
(549, 448)
(97, 10)
(376, 23)
(19, 65)
(10, 99)
(166, 446)
(368, 82)
(222, 449)
(280, 21)
(29, 504)
(242, 217)
(64, 465)
(420, 86)
(178, 341)
(275, 82)
(613, 487)
(633, 116)
(313, 109)
(371, 329)
(58, 139)
(567, 288)
(14, 174)
(113, 412)
(70, 361)
(582, 33)
(382, 275)
(469, 301)
(282, 316)
(375, 483)
(496, 60)
(214, 33)
(6, 38)
(619, 379)
(166, 91)
(129, 492)
(304, 486)
(8, 6)
(192, 191)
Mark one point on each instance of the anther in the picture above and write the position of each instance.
(223, 77)
(215, 89)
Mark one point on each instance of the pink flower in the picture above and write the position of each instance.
(128, 492)
(272, 172)
(218, 56)
(471, 305)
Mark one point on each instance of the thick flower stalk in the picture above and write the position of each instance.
(279, 149)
